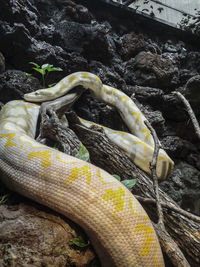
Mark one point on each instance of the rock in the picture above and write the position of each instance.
(14, 84)
(157, 121)
(107, 75)
(161, 69)
(20, 11)
(132, 44)
(192, 90)
(177, 147)
(152, 96)
(172, 108)
(192, 61)
(31, 236)
(134, 76)
(2, 63)
(76, 12)
(14, 39)
(185, 75)
(184, 186)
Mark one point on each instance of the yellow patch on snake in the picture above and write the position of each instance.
(132, 209)
(147, 132)
(101, 178)
(124, 97)
(26, 108)
(73, 78)
(63, 85)
(3, 111)
(118, 132)
(23, 139)
(85, 75)
(137, 114)
(109, 92)
(77, 173)
(116, 197)
(10, 137)
(156, 257)
(149, 237)
(58, 156)
(143, 144)
(112, 91)
(44, 156)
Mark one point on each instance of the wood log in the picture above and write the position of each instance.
(185, 231)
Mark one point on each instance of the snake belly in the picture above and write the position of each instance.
(116, 223)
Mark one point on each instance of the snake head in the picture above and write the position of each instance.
(40, 95)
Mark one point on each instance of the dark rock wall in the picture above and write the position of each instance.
(124, 53)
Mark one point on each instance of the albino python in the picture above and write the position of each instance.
(117, 225)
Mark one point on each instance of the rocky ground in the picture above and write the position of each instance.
(124, 55)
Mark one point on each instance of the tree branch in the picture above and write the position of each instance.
(190, 112)
(168, 244)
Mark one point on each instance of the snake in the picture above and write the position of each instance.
(117, 225)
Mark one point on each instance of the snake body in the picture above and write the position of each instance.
(118, 226)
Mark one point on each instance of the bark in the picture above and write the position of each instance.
(185, 231)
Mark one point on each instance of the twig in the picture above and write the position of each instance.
(153, 170)
(170, 207)
(169, 245)
(190, 112)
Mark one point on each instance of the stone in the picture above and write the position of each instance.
(20, 11)
(2, 63)
(177, 147)
(14, 84)
(132, 44)
(162, 69)
(184, 186)
(192, 90)
(76, 12)
(32, 236)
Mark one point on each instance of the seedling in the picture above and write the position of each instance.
(83, 153)
(80, 242)
(44, 70)
(4, 199)
(128, 183)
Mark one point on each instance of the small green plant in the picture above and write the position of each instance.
(44, 70)
(128, 183)
(83, 153)
(27, 74)
(3, 199)
(117, 177)
(80, 242)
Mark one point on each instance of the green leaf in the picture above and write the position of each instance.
(27, 74)
(55, 69)
(4, 199)
(40, 71)
(80, 242)
(117, 177)
(35, 64)
(46, 66)
(83, 153)
(129, 183)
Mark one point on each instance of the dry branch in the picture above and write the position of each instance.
(167, 243)
(170, 207)
(190, 112)
(109, 157)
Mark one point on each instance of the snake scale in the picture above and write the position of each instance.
(117, 225)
